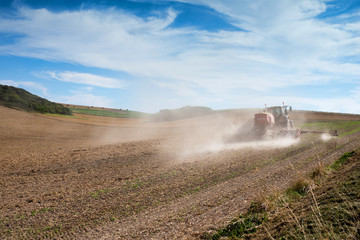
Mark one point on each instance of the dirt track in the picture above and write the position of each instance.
(105, 178)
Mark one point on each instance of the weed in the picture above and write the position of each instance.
(19, 217)
(342, 160)
(97, 193)
(46, 209)
(42, 210)
(298, 188)
(244, 224)
(134, 184)
(191, 191)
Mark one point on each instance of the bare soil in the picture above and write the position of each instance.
(91, 177)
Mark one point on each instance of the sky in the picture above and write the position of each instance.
(158, 54)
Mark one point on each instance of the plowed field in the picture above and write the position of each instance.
(88, 177)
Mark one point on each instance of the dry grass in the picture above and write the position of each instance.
(331, 211)
(331, 144)
(299, 187)
(319, 172)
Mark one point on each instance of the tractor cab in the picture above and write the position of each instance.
(276, 111)
(280, 114)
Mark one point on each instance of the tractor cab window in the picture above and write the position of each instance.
(276, 112)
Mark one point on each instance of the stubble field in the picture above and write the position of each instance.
(92, 177)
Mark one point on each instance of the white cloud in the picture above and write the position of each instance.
(9, 83)
(87, 79)
(31, 85)
(344, 104)
(85, 99)
(109, 39)
(183, 90)
(348, 104)
(349, 16)
(263, 14)
(284, 46)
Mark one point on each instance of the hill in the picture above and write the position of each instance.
(181, 113)
(18, 98)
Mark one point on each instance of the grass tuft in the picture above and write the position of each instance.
(319, 172)
(299, 188)
(244, 224)
(342, 160)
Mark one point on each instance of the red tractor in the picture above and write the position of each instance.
(272, 123)
(275, 122)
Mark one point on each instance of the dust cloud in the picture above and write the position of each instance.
(216, 133)
(184, 137)
(260, 144)
(219, 145)
(326, 137)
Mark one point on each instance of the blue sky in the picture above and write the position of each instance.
(151, 55)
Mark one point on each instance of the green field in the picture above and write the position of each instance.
(108, 113)
(343, 127)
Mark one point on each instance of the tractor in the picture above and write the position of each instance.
(274, 122)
